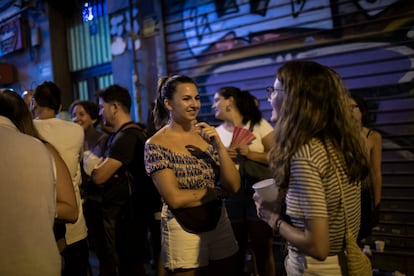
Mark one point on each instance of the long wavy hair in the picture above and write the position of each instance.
(166, 90)
(245, 103)
(314, 103)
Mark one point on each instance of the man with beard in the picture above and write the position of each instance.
(122, 176)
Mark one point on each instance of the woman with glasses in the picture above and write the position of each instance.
(316, 152)
(272, 92)
(239, 109)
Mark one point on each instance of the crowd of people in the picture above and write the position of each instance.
(177, 196)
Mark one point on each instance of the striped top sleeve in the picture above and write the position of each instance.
(314, 192)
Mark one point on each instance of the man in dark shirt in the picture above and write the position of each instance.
(124, 181)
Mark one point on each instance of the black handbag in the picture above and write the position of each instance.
(199, 219)
(252, 171)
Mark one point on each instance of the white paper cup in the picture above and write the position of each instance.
(379, 246)
(266, 189)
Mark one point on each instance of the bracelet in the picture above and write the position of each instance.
(277, 226)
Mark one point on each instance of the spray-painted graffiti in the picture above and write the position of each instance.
(396, 59)
(206, 22)
(122, 30)
(355, 62)
(374, 7)
(361, 64)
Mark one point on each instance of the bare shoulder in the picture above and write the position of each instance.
(375, 136)
(158, 138)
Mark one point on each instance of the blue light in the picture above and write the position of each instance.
(87, 12)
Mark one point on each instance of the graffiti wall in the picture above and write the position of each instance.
(370, 43)
(242, 43)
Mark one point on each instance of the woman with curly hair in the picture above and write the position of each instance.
(315, 140)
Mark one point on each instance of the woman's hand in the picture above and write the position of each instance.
(269, 212)
(232, 153)
(229, 175)
(243, 150)
(209, 133)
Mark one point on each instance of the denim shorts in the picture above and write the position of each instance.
(297, 264)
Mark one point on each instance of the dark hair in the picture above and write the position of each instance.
(15, 109)
(166, 90)
(90, 107)
(48, 95)
(362, 105)
(116, 93)
(245, 103)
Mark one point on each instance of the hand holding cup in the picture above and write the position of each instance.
(266, 200)
(267, 190)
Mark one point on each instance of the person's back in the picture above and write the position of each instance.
(67, 138)
(27, 201)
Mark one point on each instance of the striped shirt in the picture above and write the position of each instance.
(314, 192)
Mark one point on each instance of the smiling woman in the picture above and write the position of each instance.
(240, 113)
(188, 163)
(86, 114)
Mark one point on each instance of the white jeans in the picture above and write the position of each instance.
(297, 264)
(182, 249)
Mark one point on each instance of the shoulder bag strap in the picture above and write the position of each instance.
(342, 194)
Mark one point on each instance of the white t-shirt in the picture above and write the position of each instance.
(259, 131)
(67, 138)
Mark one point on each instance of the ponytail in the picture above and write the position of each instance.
(166, 89)
(159, 112)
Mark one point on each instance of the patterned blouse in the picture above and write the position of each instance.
(196, 170)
